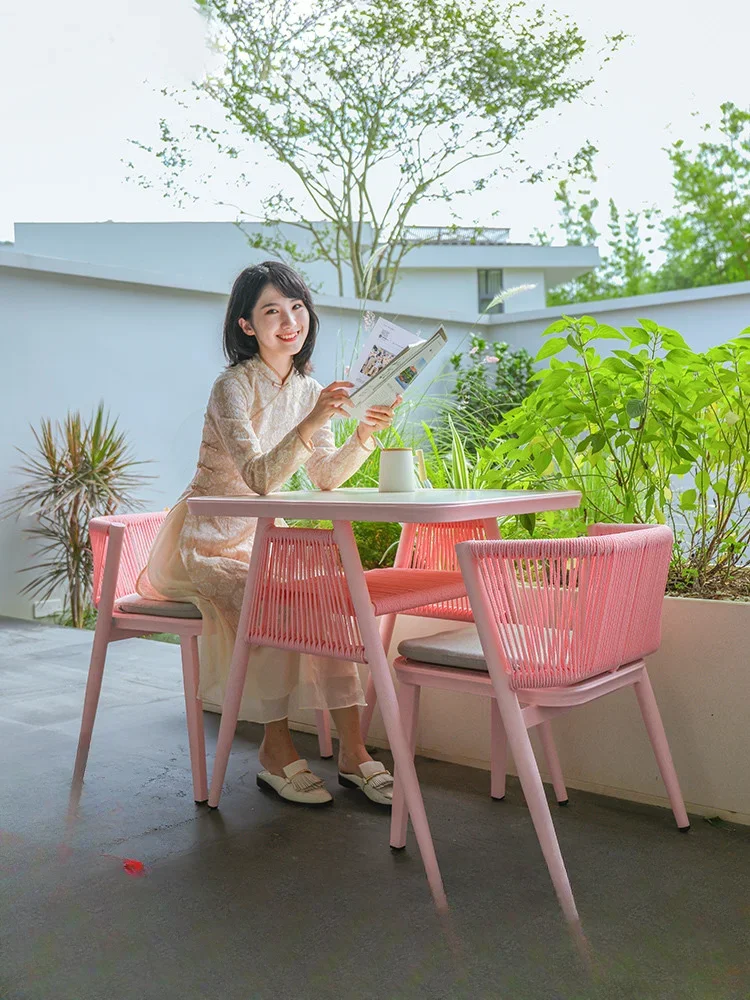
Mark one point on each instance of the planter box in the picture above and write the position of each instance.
(701, 676)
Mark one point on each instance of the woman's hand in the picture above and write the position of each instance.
(377, 418)
(332, 402)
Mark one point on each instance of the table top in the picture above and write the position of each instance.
(418, 507)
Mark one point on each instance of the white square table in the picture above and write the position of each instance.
(342, 507)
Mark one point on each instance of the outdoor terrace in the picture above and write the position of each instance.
(262, 900)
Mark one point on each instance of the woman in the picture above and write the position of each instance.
(266, 418)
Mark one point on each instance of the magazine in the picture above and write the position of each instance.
(390, 360)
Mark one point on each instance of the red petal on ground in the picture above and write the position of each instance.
(133, 867)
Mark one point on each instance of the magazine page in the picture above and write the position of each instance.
(386, 341)
(396, 375)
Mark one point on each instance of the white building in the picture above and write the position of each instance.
(448, 267)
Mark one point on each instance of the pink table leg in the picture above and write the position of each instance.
(386, 693)
(387, 625)
(237, 672)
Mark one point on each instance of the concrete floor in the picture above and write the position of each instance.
(264, 900)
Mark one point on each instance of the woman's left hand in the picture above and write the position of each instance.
(377, 418)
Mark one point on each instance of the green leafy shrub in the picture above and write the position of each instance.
(652, 432)
(489, 380)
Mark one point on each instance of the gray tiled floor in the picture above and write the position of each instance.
(260, 900)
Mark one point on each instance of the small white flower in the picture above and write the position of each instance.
(473, 350)
(491, 360)
(368, 320)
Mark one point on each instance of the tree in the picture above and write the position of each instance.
(705, 239)
(422, 99)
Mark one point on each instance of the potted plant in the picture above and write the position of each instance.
(79, 469)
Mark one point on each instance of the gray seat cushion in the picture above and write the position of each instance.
(455, 648)
(134, 604)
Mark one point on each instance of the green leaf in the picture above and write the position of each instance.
(638, 337)
(688, 498)
(597, 441)
(635, 408)
(552, 347)
(527, 522)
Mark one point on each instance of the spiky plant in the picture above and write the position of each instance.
(79, 469)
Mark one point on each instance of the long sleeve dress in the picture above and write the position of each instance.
(250, 445)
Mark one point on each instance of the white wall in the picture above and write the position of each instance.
(530, 299)
(422, 288)
(704, 316)
(205, 253)
(213, 253)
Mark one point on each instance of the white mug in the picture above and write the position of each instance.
(396, 470)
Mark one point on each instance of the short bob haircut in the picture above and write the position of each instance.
(243, 299)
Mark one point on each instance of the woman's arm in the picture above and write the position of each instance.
(263, 472)
(329, 466)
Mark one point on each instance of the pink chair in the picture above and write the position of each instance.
(121, 544)
(429, 547)
(559, 623)
(433, 546)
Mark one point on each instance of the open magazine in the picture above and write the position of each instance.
(390, 360)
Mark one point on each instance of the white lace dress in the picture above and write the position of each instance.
(250, 445)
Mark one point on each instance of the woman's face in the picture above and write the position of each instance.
(279, 324)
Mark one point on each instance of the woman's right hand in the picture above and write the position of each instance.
(332, 402)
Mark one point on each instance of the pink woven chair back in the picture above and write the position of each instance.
(578, 606)
(140, 532)
(302, 601)
(435, 548)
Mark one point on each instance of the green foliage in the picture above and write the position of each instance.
(705, 239)
(652, 432)
(79, 470)
(352, 98)
(490, 379)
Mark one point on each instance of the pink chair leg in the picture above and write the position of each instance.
(323, 723)
(381, 674)
(408, 704)
(553, 762)
(91, 699)
(230, 709)
(533, 790)
(194, 713)
(387, 624)
(498, 753)
(655, 729)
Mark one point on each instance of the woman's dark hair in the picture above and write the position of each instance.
(243, 299)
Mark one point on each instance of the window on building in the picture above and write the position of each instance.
(490, 285)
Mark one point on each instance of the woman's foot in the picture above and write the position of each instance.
(371, 777)
(297, 784)
(357, 769)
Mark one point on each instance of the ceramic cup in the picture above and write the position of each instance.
(396, 470)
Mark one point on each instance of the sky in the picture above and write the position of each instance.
(78, 79)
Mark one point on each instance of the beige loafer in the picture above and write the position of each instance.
(298, 785)
(373, 779)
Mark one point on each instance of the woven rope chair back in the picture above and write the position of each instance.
(435, 548)
(301, 599)
(579, 606)
(139, 535)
